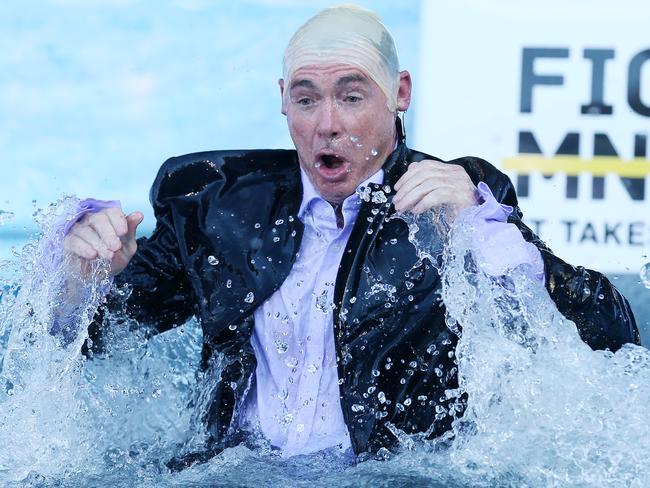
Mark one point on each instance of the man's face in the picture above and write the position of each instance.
(341, 126)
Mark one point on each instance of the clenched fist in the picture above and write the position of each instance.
(108, 234)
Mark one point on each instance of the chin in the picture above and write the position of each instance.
(334, 195)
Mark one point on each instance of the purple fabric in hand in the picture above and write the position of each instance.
(87, 206)
(499, 245)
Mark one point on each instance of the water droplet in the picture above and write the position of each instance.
(232, 327)
(229, 284)
(422, 398)
(644, 274)
(407, 402)
(358, 408)
(375, 373)
(379, 197)
(250, 297)
(291, 362)
(286, 419)
(281, 347)
(312, 368)
(257, 225)
(364, 193)
(321, 302)
(317, 164)
(373, 152)
(413, 364)
(213, 261)
(276, 239)
(393, 241)
(354, 138)
(371, 390)
(381, 396)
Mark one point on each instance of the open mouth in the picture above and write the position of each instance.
(332, 167)
(331, 161)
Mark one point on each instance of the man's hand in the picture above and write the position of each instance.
(430, 184)
(108, 234)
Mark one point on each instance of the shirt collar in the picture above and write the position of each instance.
(310, 194)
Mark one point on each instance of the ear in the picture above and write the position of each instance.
(404, 92)
(284, 108)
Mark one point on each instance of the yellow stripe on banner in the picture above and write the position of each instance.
(573, 165)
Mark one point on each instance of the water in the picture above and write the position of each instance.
(543, 409)
(644, 274)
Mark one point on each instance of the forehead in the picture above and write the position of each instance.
(322, 76)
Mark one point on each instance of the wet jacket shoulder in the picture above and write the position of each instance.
(207, 206)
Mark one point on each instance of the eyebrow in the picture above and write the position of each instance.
(343, 80)
(303, 83)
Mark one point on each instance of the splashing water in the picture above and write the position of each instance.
(40, 372)
(543, 409)
(60, 415)
(644, 274)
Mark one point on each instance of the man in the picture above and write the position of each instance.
(322, 323)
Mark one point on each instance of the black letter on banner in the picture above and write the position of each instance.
(528, 77)
(611, 231)
(568, 147)
(589, 234)
(634, 83)
(602, 147)
(635, 186)
(569, 226)
(597, 105)
(633, 232)
(538, 225)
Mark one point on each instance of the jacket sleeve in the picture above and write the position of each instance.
(602, 315)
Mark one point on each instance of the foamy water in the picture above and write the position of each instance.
(543, 408)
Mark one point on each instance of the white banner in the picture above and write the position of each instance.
(557, 95)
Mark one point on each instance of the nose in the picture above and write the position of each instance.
(329, 120)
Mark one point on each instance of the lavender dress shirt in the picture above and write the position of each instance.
(294, 401)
